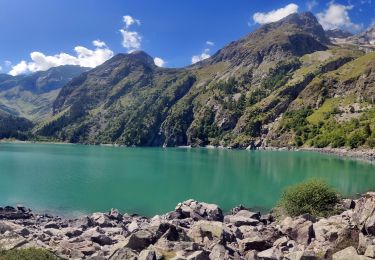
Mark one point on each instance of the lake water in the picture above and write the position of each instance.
(75, 179)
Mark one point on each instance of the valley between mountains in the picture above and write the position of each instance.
(287, 84)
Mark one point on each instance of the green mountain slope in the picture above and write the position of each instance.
(241, 96)
(14, 127)
(31, 96)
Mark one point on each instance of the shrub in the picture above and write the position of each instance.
(27, 254)
(313, 197)
(356, 139)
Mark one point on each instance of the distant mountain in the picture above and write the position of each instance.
(365, 38)
(14, 127)
(338, 33)
(285, 84)
(31, 96)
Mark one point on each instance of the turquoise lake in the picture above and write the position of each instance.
(76, 179)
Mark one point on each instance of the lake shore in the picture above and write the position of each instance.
(358, 154)
(196, 230)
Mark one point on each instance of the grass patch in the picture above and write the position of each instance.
(27, 254)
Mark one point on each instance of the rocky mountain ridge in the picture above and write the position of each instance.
(285, 84)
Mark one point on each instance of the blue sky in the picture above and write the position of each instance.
(173, 30)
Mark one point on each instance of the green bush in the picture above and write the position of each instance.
(314, 197)
(27, 254)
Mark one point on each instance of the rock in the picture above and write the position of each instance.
(198, 255)
(83, 222)
(296, 255)
(102, 240)
(348, 253)
(24, 232)
(251, 255)
(124, 253)
(147, 255)
(310, 255)
(241, 220)
(199, 210)
(254, 243)
(248, 214)
(101, 219)
(364, 212)
(133, 226)
(89, 250)
(213, 231)
(12, 213)
(115, 214)
(270, 254)
(139, 240)
(219, 252)
(299, 229)
(348, 204)
(5, 226)
(52, 224)
(10, 240)
(370, 251)
(282, 241)
(73, 232)
(363, 243)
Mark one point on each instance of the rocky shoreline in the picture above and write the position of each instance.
(196, 230)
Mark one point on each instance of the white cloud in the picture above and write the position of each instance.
(7, 63)
(159, 62)
(204, 55)
(210, 43)
(275, 15)
(84, 57)
(99, 43)
(128, 20)
(1, 68)
(311, 4)
(336, 16)
(131, 40)
(20, 68)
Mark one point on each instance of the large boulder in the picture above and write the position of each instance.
(299, 229)
(364, 213)
(270, 254)
(254, 243)
(101, 219)
(348, 253)
(210, 231)
(199, 210)
(14, 213)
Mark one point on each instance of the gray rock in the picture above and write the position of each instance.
(133, 226)
(363, 243)
(270, 254)
(219, 252)
(124, 253)
(52, 224)
(254, 243)
(299, 229)
(115, 214)
(102, 240)
(139, 240)
(248, 214)
(370, 251)
(348, 253)
(198, 255)
(101, 219)
(241, 220)
(147, 255)
(73, 232)
(364, 212)
(213, 231)
(199, 210)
